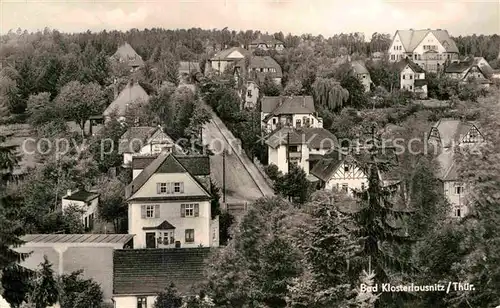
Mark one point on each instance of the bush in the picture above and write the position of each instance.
(273, 172)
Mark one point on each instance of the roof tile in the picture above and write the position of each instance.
(155, 269)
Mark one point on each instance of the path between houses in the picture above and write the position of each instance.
(244, 183)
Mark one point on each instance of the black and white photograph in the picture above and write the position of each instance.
(249, 154)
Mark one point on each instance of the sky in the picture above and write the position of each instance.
(326, 17)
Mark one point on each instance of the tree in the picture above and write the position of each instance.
(168, 298)
(112, 207)
(41, 109)
(329, 93)
(331, 250)
(294, 185)
(201, 115)
(9, 94)
(268, 87)
(167, 68)
(79, 102)
(104, 145)
(78, 292)
(72, 217)
(46, 290)
(245, 272)
(357, 95)
(377, 220)
(293, 87)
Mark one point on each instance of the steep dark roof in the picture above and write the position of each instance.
(326, 167)
(82, 195)
(458, 66)
(400, 65)
(129, 140)
(195, 164)
(149, 271)
(314, 138)
(164, 163)
(165, 225)
(277, 105)
(258, 62)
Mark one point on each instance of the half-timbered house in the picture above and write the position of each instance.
(448, 135)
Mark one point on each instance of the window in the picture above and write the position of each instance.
(404, 76)
(345, 188)
(393, 57)
(411, 76)
(150, 211)
(189, 236)
(457, 212)
(214, 235)
(411, 88)
(190, 210)
(179, 187)
(459, 190)
(346, 168)
(274, 120)
(293, 148)
(168, 238)
(163, 188)
(364, 76)
(249, 93)
(142, 302)
(298, 123)
(363, 186)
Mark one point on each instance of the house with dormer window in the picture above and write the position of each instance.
(448, 135)
(224, 59)
(429, 49)
(144, 140)
(169, 202)
(289, 111)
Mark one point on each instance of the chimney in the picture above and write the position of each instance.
(68, 192)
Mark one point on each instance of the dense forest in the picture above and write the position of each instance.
(46, 60)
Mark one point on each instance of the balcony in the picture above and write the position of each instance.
(295, 154)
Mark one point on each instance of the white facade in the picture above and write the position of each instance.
(346, 178)
(90, 209)
(299, 155)
(293, 120)
(191, 219)
(407, 81)
(122, 301)
(154, 145)
(251, 95)
(455, 192)
(429, 53)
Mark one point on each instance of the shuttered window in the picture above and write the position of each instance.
(150, 211)
(190, 210)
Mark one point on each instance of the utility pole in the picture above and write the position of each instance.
(224, 176)
(288, 151)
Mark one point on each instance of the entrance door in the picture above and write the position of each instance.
(150, 240)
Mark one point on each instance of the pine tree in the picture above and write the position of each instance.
(377, 217)
(332, 250)
(367, 299)
(46, 291)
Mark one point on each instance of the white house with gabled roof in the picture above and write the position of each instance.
(145, 140)
(169, 203)
(289, 111)
(429, 49)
